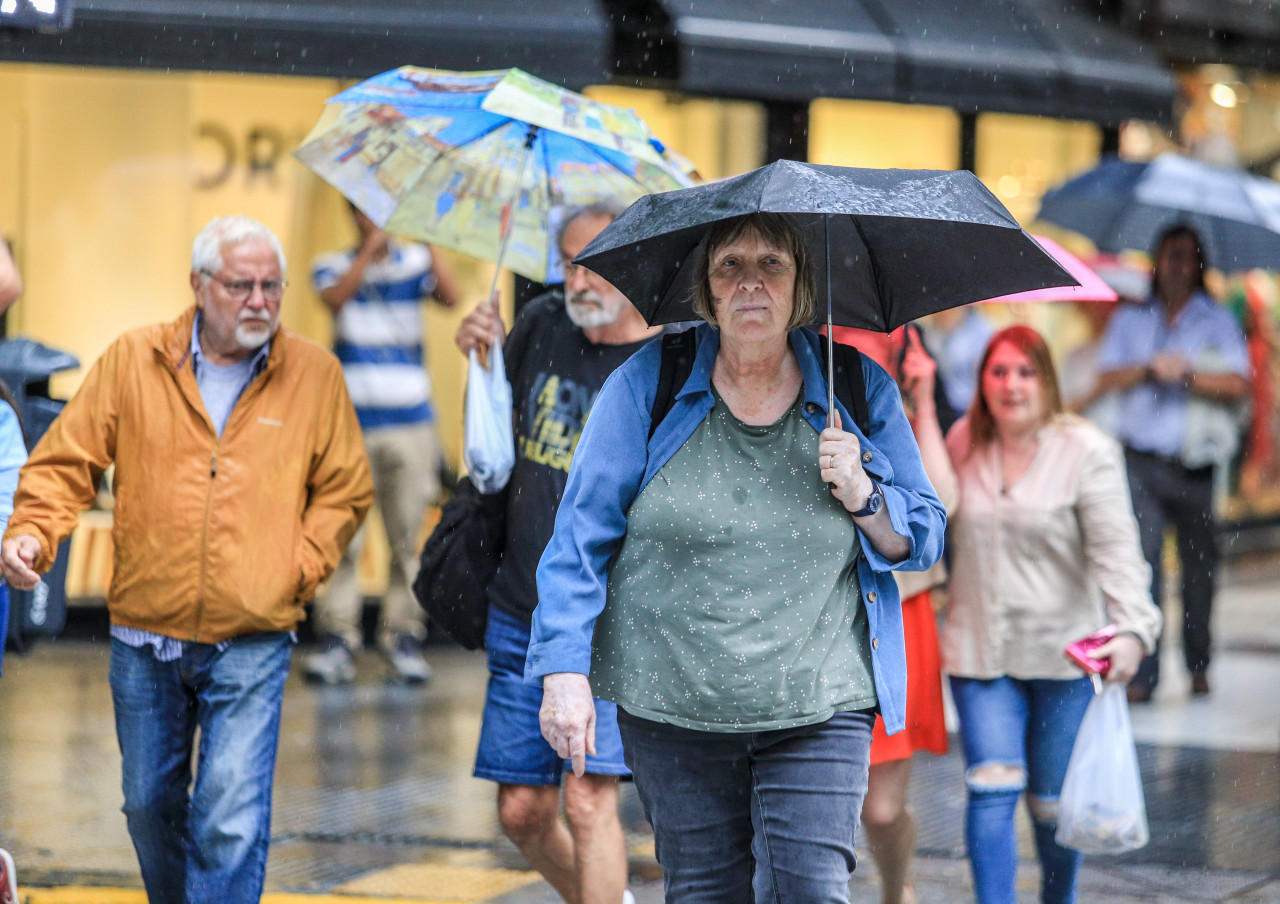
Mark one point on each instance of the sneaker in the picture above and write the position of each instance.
(1199, 684)
(407, 661)
(8, 879)
(332, 663)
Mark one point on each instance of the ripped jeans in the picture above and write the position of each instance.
(1029, 725)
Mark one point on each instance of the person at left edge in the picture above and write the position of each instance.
(240, 477)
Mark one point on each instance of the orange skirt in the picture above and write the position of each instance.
(926, 721)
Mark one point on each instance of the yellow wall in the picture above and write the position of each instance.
(873, 134)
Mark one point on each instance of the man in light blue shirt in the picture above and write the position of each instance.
(1160, 354)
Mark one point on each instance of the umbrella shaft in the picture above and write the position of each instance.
(831, 358)
(511, 209)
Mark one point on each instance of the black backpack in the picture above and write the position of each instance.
(678, 350)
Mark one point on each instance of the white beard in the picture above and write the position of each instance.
(588, 310)
(252, 334)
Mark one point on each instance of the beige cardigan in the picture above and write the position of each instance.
(1051, 560)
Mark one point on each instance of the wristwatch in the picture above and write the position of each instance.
(874, 502)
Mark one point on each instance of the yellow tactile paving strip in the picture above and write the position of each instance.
(440, 881)
(412, 883)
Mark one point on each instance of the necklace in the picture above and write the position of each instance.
(1021, 463)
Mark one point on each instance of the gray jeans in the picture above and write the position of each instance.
(769, 811)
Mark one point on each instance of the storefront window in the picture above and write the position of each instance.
(872, 134)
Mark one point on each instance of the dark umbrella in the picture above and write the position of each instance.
(1121, 204)
(903, 243)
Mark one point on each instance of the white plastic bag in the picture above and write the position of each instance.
(488, 447)
(1101, 809)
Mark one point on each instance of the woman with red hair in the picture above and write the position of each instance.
(1044, 551)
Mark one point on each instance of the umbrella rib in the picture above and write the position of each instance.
(871, 262)
(552, 246)
(447, 154)
(595, 149)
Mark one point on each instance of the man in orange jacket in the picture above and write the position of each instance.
(240, 477)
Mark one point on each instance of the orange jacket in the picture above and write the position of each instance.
(214, 537)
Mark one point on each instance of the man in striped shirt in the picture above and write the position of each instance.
(375, 292)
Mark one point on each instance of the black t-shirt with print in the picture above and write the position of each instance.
(555, 375)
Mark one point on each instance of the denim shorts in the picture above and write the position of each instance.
(512, 749)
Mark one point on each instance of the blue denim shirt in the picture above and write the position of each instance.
(615, 460)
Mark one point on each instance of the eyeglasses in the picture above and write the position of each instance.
(240, 290)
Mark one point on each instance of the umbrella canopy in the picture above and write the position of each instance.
(1092, 287)
(1122, 205)
(903, 243)
(454, 158)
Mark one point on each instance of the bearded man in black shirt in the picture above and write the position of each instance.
(561, 349)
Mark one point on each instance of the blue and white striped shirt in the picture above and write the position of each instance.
(378, 334)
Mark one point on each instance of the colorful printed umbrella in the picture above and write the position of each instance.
(454, 158)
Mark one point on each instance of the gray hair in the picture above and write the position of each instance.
(206, 250)
(609, 209)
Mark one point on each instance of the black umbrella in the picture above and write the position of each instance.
(887, 246)
(905, 243)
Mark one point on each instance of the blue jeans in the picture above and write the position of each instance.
(209, 845)
(769, 811)
(1030, 725)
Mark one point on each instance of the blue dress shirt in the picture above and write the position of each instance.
(1153, 416)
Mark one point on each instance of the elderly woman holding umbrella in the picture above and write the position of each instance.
(734, 570)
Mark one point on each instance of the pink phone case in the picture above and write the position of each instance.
(1080, 652)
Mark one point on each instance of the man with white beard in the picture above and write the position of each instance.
(561, 349)
(240, 476)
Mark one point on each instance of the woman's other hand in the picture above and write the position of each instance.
(480, 329)
(918, 373)
(568, 717)
(840, 464)
(1125, 654)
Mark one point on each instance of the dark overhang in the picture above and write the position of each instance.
(1240, 32)
(1040, 57)
(565, 41)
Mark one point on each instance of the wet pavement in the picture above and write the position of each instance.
(375, 799)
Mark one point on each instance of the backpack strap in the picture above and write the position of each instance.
(850, 387)
(678, 350)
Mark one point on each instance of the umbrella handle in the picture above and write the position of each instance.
(511, 207)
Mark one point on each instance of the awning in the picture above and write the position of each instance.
(564, 41)
(1037, 57)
